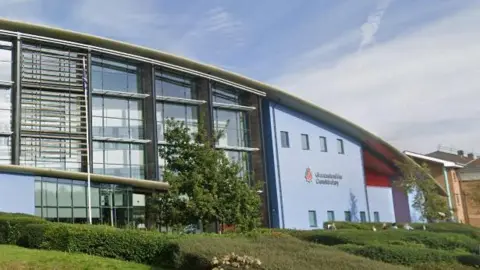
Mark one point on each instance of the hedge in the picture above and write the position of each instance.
(432, 227)
(12, 225)
(443, 241)
(145, 247)
(400, 255)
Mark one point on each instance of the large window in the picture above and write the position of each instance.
(363, 216)
(348, 216)
(171, 84)
(330, 215)
(188, 114)
(66, 201)
(119, 159)
(243, 159)
(116, 76)
(376, 217)
(233, 127)
(117, 118)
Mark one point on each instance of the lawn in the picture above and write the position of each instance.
(16, 258)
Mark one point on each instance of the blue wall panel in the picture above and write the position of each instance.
(295, 196)
(17, 193)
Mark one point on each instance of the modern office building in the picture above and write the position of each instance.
(314, 166)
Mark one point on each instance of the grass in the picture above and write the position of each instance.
(17, 258)
(275, 253)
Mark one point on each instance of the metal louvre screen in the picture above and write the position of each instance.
(53, 108)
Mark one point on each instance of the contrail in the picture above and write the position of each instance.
(370, 27)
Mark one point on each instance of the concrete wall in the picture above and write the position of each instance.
(17, 193)
(292, 196)
(380, 200)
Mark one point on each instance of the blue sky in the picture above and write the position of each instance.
(406, 70)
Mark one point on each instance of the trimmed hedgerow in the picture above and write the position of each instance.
(400, 255)
(132, 245)
(443, 241)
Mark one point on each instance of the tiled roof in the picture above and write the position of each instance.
(462, 160)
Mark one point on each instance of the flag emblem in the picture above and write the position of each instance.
(308, 175)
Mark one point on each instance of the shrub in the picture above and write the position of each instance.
(400, 255)
(444, 241)
(12, 225)
(132, 245)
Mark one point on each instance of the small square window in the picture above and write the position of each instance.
(363, 216)
(312, 218)
(348, 216)
(284, 139)
(331, 216)
(305, 142)
(340, 146)
(323, 144)
(376, 217)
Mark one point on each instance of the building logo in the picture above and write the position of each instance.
(322, 178)
(308, 175)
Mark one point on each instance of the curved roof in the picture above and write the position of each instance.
(368, 140)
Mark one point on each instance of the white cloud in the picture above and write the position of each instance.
(371, 26)
(417, 90)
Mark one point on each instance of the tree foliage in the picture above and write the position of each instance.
(427, 199)
(205, 185)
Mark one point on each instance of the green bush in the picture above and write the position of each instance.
(12, 225)
(132, 245)
(399, 255)
(443, 241)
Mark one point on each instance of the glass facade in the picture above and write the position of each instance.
(117, 118)
(119, 159)
(170, 84)
(65, 200)
(188, 114)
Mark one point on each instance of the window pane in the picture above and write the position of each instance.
(348, 216)
(323, 144)
(331, 216)
(79, 212)
(65, 213)
(363, 217)
(284, 139)
(305, 142)
(312, 216)
(38, 193)
(376, 217)
(5, 65)
(64, 195)
(49, 194)
(340, 146)
(95, 196)
(79, 196)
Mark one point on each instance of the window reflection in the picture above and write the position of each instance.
(243, 160)
(117, 118)
(116, 76)
(226, 95)
(119, 159)
(188, 114)
(5, 64)
(233, 127)
(174, 85)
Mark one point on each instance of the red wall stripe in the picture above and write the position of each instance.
(377, 180)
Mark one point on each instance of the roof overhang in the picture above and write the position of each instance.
(146, 185)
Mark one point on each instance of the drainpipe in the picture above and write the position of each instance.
(447, 187)
(278, 164)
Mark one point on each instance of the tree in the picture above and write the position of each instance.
(205, 185)
(427, 199)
